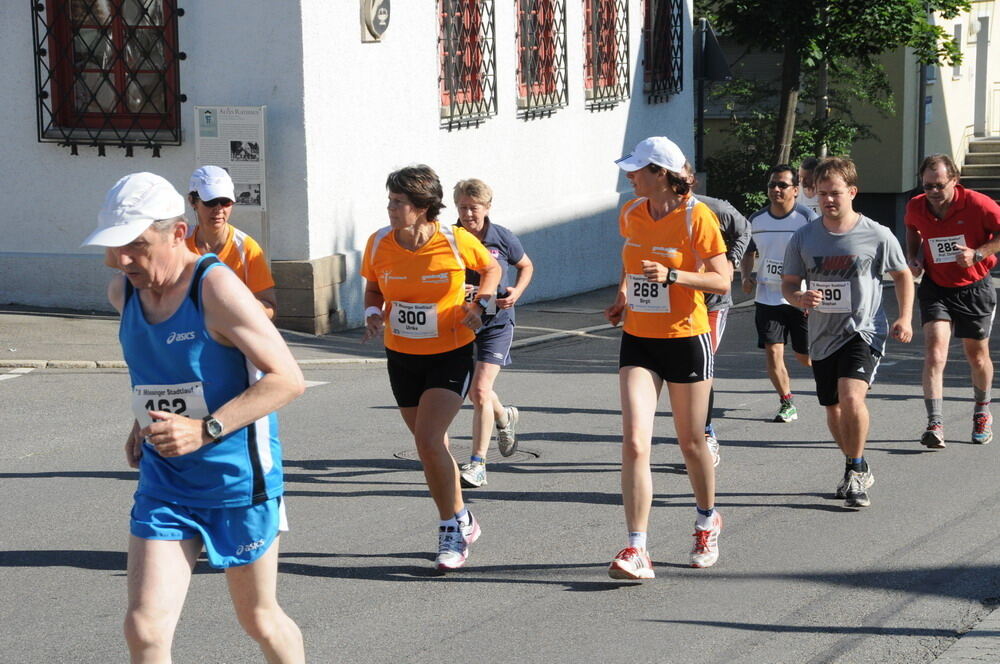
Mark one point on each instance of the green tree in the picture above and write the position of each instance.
(737, 173)
(809, 32)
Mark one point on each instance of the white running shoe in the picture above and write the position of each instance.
(473, 474)
(453, 543)
(507, 436)
(705, 552)
(713, 447)
(631, 564)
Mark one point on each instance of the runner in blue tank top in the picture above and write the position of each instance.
(208, 370)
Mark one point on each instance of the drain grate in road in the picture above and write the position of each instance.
(461, 453)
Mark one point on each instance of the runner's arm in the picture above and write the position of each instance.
(373, 322)
(913, 249)
(808, 299)
(615, 312)
(525, 268)
(234, 317)
(902, 328)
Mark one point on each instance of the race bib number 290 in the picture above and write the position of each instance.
(836, 296)
(187, 399)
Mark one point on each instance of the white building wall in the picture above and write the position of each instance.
(49, 199)
(372, 108)
(342, 114)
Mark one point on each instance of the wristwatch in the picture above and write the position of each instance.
(977, 256)
(213, 427)
(484, 302)
(671, 276)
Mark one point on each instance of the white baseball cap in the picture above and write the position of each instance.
(212, 182)
(131, 206)
(658, 150)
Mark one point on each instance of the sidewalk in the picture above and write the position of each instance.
(38, 338)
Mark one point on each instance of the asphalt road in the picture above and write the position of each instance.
(800, 578)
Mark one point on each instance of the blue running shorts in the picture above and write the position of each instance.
(493, 344)
(232, 536)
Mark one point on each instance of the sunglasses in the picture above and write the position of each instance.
(935, 186)
(216, 202)
(779, 185)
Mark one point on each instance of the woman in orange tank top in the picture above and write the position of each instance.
(673, 252)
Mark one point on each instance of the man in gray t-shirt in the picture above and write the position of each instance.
(842, 256)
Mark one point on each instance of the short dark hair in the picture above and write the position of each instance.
(809, 163)
(842, 166)
(932, 161)
(784, 168)
(421, 185)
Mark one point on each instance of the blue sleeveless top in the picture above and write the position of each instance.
(176, 366)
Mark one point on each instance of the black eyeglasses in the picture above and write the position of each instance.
(216, 202)
(935, 186)
(779, 185)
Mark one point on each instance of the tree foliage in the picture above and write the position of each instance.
(738, 172)
(807, 32)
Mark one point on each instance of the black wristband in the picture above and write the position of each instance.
(671, 276)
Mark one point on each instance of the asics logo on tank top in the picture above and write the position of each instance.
(180, 336)
(435, 278)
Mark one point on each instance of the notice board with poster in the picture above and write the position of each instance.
(234, 138)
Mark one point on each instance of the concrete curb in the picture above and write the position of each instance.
(333, 361)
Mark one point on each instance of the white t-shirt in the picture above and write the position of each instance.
(811, 202)
(769, 236)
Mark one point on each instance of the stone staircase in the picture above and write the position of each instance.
(981, 170)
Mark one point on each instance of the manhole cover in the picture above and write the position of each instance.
(461, 453)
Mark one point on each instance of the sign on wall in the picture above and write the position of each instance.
(374, 19)
(232, 137)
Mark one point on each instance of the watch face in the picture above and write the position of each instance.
(214, 427)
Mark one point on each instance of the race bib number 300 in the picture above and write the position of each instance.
(945, 249)
(414, 321)
(836, 296)
(187, 399)
(647, 296)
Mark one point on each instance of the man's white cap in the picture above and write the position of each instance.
(131, 206)
(658, 150)
(212, 182)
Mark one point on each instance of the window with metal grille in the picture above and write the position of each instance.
(663, 33)
(468, 68)
(606, 66)
(107, 72)
(541, 57)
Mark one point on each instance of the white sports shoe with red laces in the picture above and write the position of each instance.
(630, 564)
(706, 544)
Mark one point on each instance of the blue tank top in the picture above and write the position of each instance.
(176, 366)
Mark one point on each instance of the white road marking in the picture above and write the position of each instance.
(316, 383)
(16, 373)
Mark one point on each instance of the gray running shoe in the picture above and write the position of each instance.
(982, 428)
(786, 413)
(841, 492)
(857, 488)
(933, 436)
(473, 474)
(507, 436)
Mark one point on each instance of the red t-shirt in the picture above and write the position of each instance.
(972, 220)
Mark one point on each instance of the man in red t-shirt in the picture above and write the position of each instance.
(952, 236)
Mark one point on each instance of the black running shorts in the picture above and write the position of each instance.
(855, 359)
(681, 360)
(411, 375)
(970, 307)
(777, 322)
